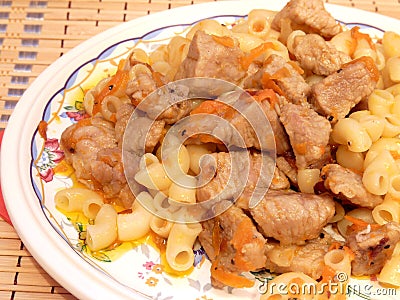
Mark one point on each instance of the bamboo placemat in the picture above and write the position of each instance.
(33, 34)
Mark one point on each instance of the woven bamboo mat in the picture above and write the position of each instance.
(33, 34)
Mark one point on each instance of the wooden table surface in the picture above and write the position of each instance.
(33, 34)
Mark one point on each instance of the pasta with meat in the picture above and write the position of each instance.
(338, 173)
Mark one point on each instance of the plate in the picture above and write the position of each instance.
(30, 176)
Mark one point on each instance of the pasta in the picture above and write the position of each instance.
(183, 193)
(180, 242)
(91, 207)
(350, 132)
(104, 231)
(160, 226)
(391, 43)
(377, 174)
(306, 179)
(259, 22)
(90, 96)
(364, 214)
(339, 213)
(350, 159)
(134, 225)
(339, 260)
(73, 199)
(153, 177)
(387, 211)
(390, 272)
(109, 107)
(195, 153)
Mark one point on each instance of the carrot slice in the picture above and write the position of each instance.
(357, 35)
(369, 63)
(118, 82)
(243, 236)
(360, 224)
(229, 278)
(254, 53)
(215, 108)
(224, 40)
(42, 129)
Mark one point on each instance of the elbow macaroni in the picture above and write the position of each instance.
(104, 231)
(180, 242)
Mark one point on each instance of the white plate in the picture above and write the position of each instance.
(29, 199)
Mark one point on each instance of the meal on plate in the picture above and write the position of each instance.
(328, 182)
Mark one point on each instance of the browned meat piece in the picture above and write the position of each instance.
(154, 135)
(291, 217)
(82, 141)
(336, 94)
(348, 185)
(122, 115)
(286, 75)
(308, 258)
(107, 171)
(91, 148)
(249, 122)
(309, 16)
(309, 135)
(207, 57)
(281, 138)
(318, 56)
(234, 245)
(259, 179)
(143, 81)
(140, 87)
(279, 181)
(288, 168)
(372, 247)
(168, 104)
(288, 78)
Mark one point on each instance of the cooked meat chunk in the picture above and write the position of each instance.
(291, 217)
(284, 74)
(288, 78)
(226, 186)
(169, 103)
(309, 135)
(122, 115)
(249, 123)
(337, 94)
(108, 172)
(209, 58)
(348, 185)
(309, 16)
(281, 138)
(143, 82)
(279, 181)
(288, 167)
(233, 245)
(372, 247)
(82, 141)
(308, 258)
(318, 56)
(91, 148)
